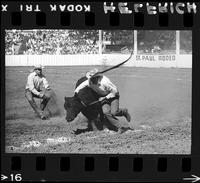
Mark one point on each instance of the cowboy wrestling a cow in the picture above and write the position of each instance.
(95, 95)
(106, 97)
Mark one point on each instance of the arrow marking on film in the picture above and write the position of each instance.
(3, 177)
(194, 178)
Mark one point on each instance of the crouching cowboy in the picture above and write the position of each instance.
(33, 90)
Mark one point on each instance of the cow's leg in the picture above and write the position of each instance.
(93, 126)
(101, 115)
(102, 118)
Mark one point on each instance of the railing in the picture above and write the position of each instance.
(180, 61)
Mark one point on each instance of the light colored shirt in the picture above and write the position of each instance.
(81, 86)
(34, 82)
(105, 85)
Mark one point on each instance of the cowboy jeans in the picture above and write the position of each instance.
(111, 109)
(30, 97)
(45, 100)
(111, 106)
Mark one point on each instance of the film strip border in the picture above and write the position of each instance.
(104, 167)
(100, 15)
(100, 168)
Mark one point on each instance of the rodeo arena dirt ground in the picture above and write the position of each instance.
(158, 99)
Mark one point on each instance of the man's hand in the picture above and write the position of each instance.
(90, 82)
(41, 95)
(102, 99)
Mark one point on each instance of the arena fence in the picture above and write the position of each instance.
(179, 61)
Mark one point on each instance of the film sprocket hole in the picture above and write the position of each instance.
(139, 120)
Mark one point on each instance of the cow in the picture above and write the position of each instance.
(82, 102)
(87, 102)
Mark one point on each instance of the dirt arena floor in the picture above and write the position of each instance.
(158, 99)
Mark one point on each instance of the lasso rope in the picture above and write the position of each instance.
(114, 67)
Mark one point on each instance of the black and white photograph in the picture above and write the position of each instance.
(98, 91)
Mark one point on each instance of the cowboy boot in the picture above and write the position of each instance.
(125, 113)
(37, 110)
(93, 125)
(124, 129)
(113, 120)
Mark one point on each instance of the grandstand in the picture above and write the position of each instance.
(96, 47)
(39, 42)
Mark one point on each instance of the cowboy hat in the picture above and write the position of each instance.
(36, 67)
(91, 73)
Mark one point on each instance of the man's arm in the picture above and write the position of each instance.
(46, 84)
(82, 85)
(31, 85)
(109, 86)
(100, 92)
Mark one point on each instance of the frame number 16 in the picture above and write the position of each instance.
(16, 177)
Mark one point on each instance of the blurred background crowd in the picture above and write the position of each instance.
(62, 42)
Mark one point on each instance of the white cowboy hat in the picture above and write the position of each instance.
(91, 73)
(38, 67)
(35, 67)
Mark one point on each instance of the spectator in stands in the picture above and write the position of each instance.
(46, 41)
(84, 42)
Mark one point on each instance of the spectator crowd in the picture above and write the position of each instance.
(87, 41)
(50, 42)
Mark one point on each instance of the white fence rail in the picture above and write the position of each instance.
(180, 61)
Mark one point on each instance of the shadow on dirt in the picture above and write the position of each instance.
(80, 131)
(20, 116)
(97, 125)
(52, 109)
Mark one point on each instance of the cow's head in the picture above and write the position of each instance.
(72, 107)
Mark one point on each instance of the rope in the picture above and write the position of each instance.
(114, 67)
